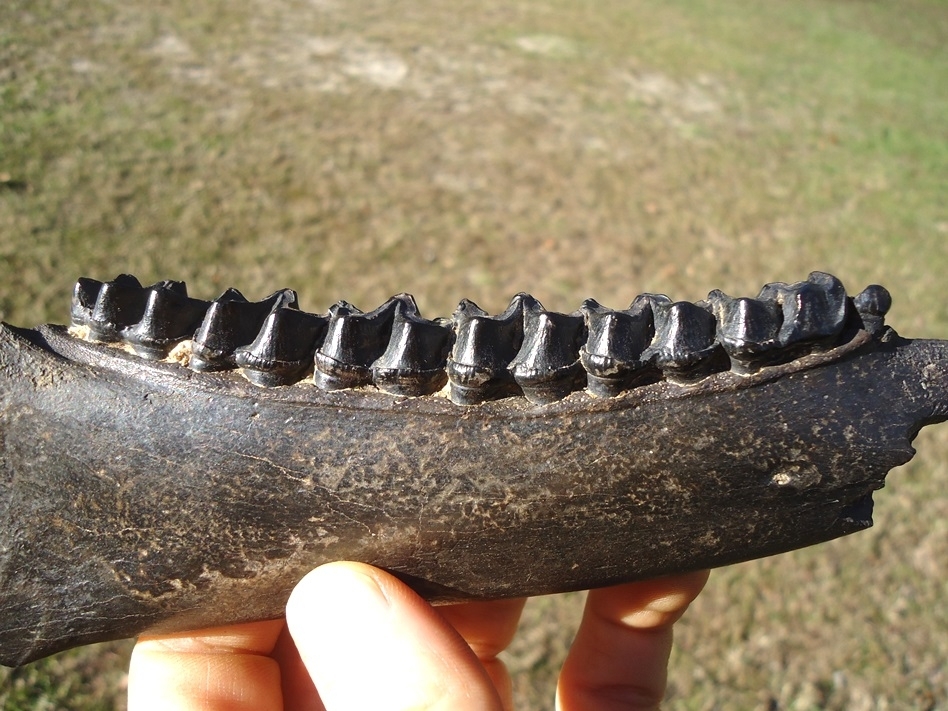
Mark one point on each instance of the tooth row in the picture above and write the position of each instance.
(543, 355)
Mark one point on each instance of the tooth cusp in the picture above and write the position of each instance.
(615, 342)
(547, 366)
(84, 296)
(483, 349)
(283, 349)
(170, 316)
(354, 340)
(813, 311)
(747, 329)
(684, 347)
(119, 304)
(414, 362)
(872, 304)
(230, 322)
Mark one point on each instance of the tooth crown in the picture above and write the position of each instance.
(526, 350)
(484, 348)
(612, 355)
(283, 349)
(547, 366)
(231, 322)
(414, 361)
(813, 310)
(354, 340)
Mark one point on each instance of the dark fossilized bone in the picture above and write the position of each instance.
(168, 463)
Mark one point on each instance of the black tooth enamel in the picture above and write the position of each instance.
(612, 356)
(170, 317)
(872, 304)
(524, 350)
(231, 322)
(483, 349)
(814, 311)
(747, 329)
(354, 340)
(84, 296)
(283, 351)
(547, 366)
(414, 361)
(119, 304)
(684, 347)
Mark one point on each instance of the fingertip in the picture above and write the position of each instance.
(369, 641)
(620, 655)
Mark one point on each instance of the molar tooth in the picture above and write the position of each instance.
(283, 349)
(119, 304)
(483, 349)
(612, 355)
(231, 322)
(414, 361)
(814, 311)
(872, 304)
(84, 296)
(170, 316)
(684, 346)
(547, 366)
(354, 340)
(747, 329)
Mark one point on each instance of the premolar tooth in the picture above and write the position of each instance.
(814, 310)
(283, 350)
(170, 316)
(354, 340)
(616, 340)
(872, 304)
(483, 349)
(747, 329)
(547, 367)
(684, 346)
(414, 361)
(231, 322)
(119, 304)
(84, 296)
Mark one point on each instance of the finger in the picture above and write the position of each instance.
(619, 658)
(210, 670)
(299, 691)
(370, 642)
(488, 628)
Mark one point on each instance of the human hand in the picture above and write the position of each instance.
(367, 641)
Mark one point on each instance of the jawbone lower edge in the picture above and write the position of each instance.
(142, 495)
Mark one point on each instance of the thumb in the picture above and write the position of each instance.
(369, 641)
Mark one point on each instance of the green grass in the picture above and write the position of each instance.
(358, 149)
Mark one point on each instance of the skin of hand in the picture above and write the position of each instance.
(367, 641)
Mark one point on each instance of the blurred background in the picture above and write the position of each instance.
(355, 149)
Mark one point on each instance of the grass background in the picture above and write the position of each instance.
(571, 149)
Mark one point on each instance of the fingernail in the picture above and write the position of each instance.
(660, 611)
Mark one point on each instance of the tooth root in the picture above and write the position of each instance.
(483, 349)
(84, 296)
(170, 316)
(616, 340)
(872, 304)
(747, 330)
(547, 366)
(283, 349)
(814, 311)
(119, 304)
(231, 322)
(354, 340)
(414, 361)
(684, 346)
